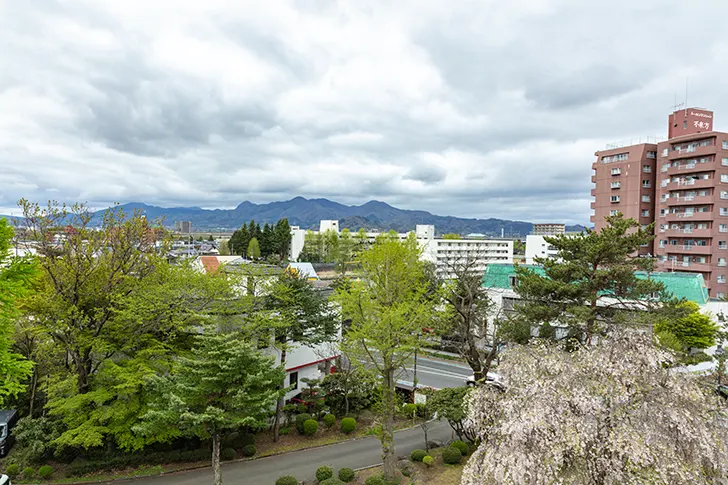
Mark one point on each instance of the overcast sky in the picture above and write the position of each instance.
(467, 108)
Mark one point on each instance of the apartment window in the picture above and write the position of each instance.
(513, 280)
(615, 198)
(663, 227)
(664, 183)
(645, 198)
(620, 157)
(613, 212)
(725, 145)
(663, 243)
(616, 185)
(724, 177)
(665, 167)
(724, 194)
(646, 169)
(651, 155)
(646, 184)
(645, 213)
(722, 244)
(720, 279)
(663, 212)
(293, 380)
(720, 295)
(723, 228)
(724, 161)
(616, 171)
(664, 151)
(724, 211)
(721, 262)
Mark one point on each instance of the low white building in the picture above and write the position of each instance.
(536, 246)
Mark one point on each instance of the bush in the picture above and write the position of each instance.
(300, 419)
(418, 455)
(324, 472)
(375, 480)
(249, 450)
(409, 410)
(462, 446)
(228, 454)
(310, 427)
(45, 472)
(331, 481)
(451, 455)
(348, 425)
(329, 420)
(428, 460)
(287, 480)
(245, 439)
(284, 431)
(422, 410)
(12, 470)
(347, 475)
(28, 472)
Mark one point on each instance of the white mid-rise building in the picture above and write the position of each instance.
(536, 246)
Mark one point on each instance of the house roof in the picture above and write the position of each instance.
(305, 269)
(690, 286)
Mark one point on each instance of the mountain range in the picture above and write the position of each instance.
(306, 213)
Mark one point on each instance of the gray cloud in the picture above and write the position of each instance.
(448, 107)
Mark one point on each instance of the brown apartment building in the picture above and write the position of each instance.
(687, 190)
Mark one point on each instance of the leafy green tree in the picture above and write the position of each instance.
(253, 249)
(519, 247)
(388, 307)
(592, 277)
(349, 390)
(282, 238)
(224, 249)
(16, 278)
(692, 330)
(345, 252)
(448, 404)
(225, 384)
(298, 314)
(267, 241)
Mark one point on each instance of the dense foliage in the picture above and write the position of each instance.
(270, 241)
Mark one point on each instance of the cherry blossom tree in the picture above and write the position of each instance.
(609, 413)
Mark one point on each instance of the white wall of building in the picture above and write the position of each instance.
(448, 252)
(329, 226)
(298, 238)
(536, 246)
(308, 362)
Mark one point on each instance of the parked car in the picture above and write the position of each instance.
(491, 378)
(8, 418)
(5, 480)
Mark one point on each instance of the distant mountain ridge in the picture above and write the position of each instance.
(306, 213)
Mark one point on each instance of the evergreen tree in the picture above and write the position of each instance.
(282, 238)
(267, 241)
(591, 270)
(225, 384)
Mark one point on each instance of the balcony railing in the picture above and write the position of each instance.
(686, 182)
(686, 166)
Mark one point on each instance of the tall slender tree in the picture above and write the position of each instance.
(388, 308)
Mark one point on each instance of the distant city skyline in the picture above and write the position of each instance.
(467, 109)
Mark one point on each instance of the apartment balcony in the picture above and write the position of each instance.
(693, 153)
(687, 266)
(690, 184)
(691, 233)
(689, 216)
(687, 249)
(692, 168)
(689, 200)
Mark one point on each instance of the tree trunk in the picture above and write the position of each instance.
(216, 458)
(427, 442)
(388, 409)
(281, 401)
(83, 367)
(33, 387)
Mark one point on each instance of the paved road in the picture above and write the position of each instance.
(436, 373)
(303, 464)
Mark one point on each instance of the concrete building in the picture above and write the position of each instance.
(548, 229)
(624, 179)
(328, 226)
(692, 220)
(185, 227)
(680, 184)
(537, 247)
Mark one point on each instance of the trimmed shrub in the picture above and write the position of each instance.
(45, 472)
(418, 455)
(329, 420)
(245, 439)
(300, 419)
(331, 481)
(310, 427)
(462, 446)
(249, 450)
(324, 473)
(12, 470)
(287, 480)
(409, 410)
(428, 460)
(421, 409)
(284, 431)
(28, 472)
(451, 455)
(347, 475)
(375, 480)
(348, 425)
(228, 454)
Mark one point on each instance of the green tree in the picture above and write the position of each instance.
(267, 241)
(282, 238)
(239, 241)
(519, 247)
(587, 284)
(388, 307)
(224, 248)
(692, 330)
(225, 384)
(346, 250)
(253, 249)
(298, 314)
(16, 278)
(448, 404)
